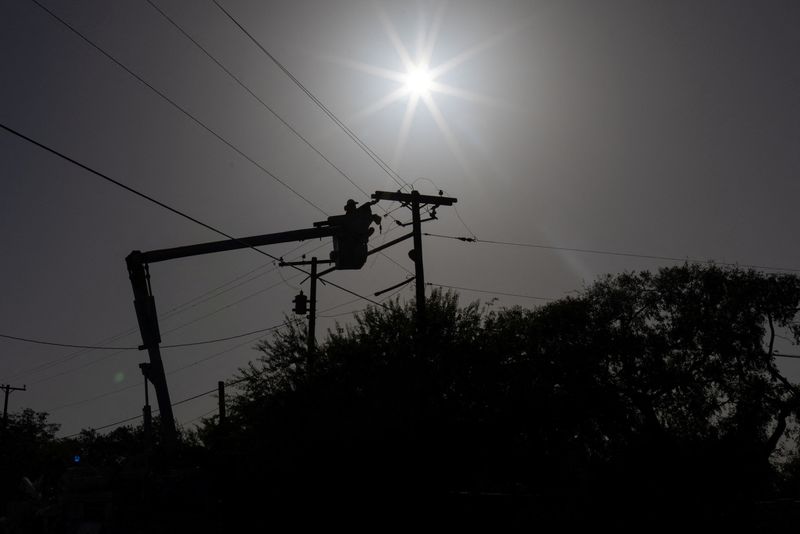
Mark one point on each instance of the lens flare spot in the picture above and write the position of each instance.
(119, 376)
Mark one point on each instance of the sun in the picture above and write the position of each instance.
(419, 80)
(421, 83)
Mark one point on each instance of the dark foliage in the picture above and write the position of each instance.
(649, 399)
(649, 395)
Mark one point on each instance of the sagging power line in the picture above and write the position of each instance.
(611, 253)
(172, 346)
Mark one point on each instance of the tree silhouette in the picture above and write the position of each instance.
(647, 395)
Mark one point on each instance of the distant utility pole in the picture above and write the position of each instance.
(415, 201)
(301, 302)
(8, 389)
(308, 305)
(312, 310)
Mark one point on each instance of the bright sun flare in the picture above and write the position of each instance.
(419, 80)
(420, 83)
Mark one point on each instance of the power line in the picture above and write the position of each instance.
(176, 345)
(264, 104)
(218, 340)
(173, 210)
(161, 204)
(193, 397)
(178, 107)
(98, 48)
(94, 397)
(58, 361)
(74, 369)
(105, 426)
(377, 159)
(610, 253)
(174, 104)
(222, 308)
(492, 292)
(384, 299)
(191, 303)
(190, 421)
(68, 345)
(208, 295)
(182, 401)
(174, 371)
(169, 313)
(217, 354)
(173, 311)
(53, 363)
(113, 181)
(281, 119)
(455, 208)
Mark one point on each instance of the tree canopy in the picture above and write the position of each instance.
(646, 390)
(645, 397)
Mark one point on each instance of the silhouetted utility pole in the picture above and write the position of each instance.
(221, 395)
(301, 302)
(308, 305)
(312, 311)
(8, 389)
(415, 201)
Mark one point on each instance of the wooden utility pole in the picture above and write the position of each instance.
(315, 276)
(8, 389)
(415, 201)
(419, 271)
(312, 310)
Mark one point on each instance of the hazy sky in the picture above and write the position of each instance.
(648, 127)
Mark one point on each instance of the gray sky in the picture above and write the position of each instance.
(657, 128)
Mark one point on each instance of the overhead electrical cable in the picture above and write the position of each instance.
(71, 370)
(218, 340)
(610, 253)
(178, 309)
(377, 159)
(165, 206)
(172, 102)
(271, 110)
(179, 108)
(190, 421)
(115, 423)
(109, 425)
(218, 354)
(455, 208)
(95, 397)
(225, 307)
(264, 104)
(173, 346)
(191, 303)
(125, 388)
(68, 345)
(491, 292)
(215, 355)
